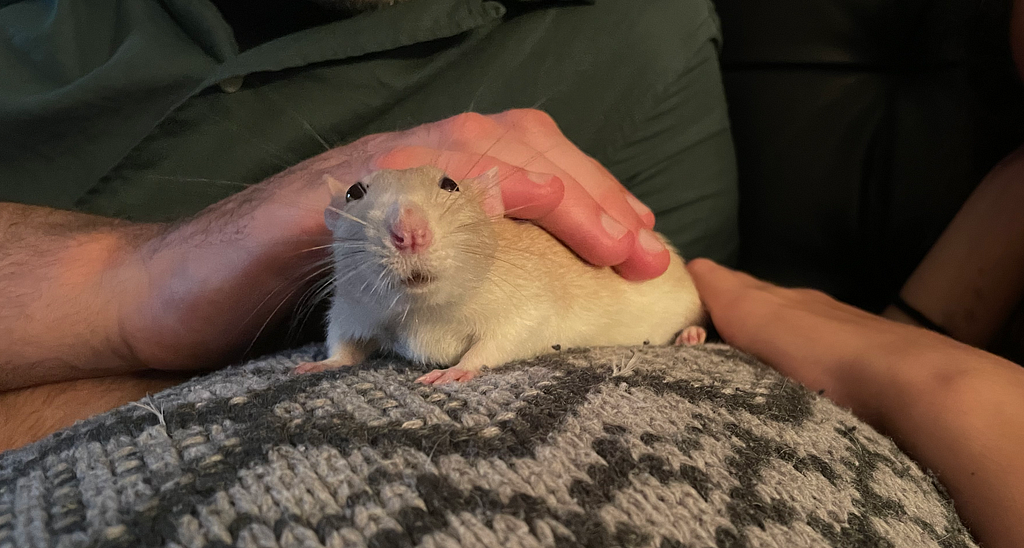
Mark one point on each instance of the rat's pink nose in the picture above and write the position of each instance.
(410, 233)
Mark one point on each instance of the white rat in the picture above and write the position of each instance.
(429, 268)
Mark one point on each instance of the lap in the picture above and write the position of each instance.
(30, 414)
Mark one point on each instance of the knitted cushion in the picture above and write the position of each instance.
(651, 446)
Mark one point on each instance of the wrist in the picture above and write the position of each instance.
(895, 375)
(70, 330)
(210, 287)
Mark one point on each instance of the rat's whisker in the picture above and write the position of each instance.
(349, 245)
(316, 247)
(486, 151)
(300, 277)
(368, 280)
(377, 285)
(203, 179)
(394, 301)
(485, 255)
(312, 249)
(309, 303)
(535, 157)
(282, 159)
(313, 295)
(475, 253)
(302, 120)
(449, 202)
(510, 284)
(356, 269)
(348, 216)
(541, 101)
(350, 255)
(305, 277)
(517, 208)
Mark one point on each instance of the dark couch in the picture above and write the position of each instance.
(860, 127)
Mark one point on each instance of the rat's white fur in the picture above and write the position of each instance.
(500, 289)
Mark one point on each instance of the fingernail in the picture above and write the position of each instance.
(650, 242)
(614, 228)
(638, 206)
(539, 178)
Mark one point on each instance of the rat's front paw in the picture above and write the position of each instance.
(442, 376)
(325, 365)
(692, 335)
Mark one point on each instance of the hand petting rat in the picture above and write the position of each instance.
(429, 268)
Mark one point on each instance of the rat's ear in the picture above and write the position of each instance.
(332, 212)
(489, 187)
(335, 186)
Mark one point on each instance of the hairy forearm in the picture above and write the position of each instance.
(959, 412)
(85, 296)
(221, 280)
(60, 276)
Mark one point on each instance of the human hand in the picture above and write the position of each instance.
(811, 337)
(578, 200)
(212, 285)
(954, 408)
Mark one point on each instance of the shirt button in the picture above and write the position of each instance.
(231, 85)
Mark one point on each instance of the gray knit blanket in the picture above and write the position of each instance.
(650, 446)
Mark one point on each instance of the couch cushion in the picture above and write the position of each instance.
(860, 128)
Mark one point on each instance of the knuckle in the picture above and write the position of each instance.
(400, 157)
(375, 142)
(810, 295)
(470, 125)
(533, 119)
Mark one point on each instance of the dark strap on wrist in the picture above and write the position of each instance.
(917, 316)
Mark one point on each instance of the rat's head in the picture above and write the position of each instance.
(413, 233)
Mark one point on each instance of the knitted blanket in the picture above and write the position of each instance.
(651, 446)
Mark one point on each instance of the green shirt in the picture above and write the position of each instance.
(115, 107)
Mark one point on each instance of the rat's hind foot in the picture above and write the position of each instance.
(316, 367)
(442, 376)
(692, 335)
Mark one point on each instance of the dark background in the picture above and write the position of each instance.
(861, 126)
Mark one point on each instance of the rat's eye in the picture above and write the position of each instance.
(355, 192)
(446, 183)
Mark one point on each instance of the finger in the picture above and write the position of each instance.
(542, 133)
(641, 209)
(525, 194)
(648, 259)
(718, 285)
(593, 222)
(589, 219)
(707, 275)
(645, 261)
(567, 211)
(713, 277)
(529, 139)
(581, 223)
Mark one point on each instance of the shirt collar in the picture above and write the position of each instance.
(376, 31)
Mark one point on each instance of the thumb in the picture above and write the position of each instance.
(713, 281)
(721, 289)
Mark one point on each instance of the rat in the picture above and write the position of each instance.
(431, 269)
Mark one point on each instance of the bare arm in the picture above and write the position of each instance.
(958, 410)
(973, 277)
(84, 296)
(974, 274)
(60, 273)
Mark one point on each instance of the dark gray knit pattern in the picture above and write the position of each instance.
(670, 448)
